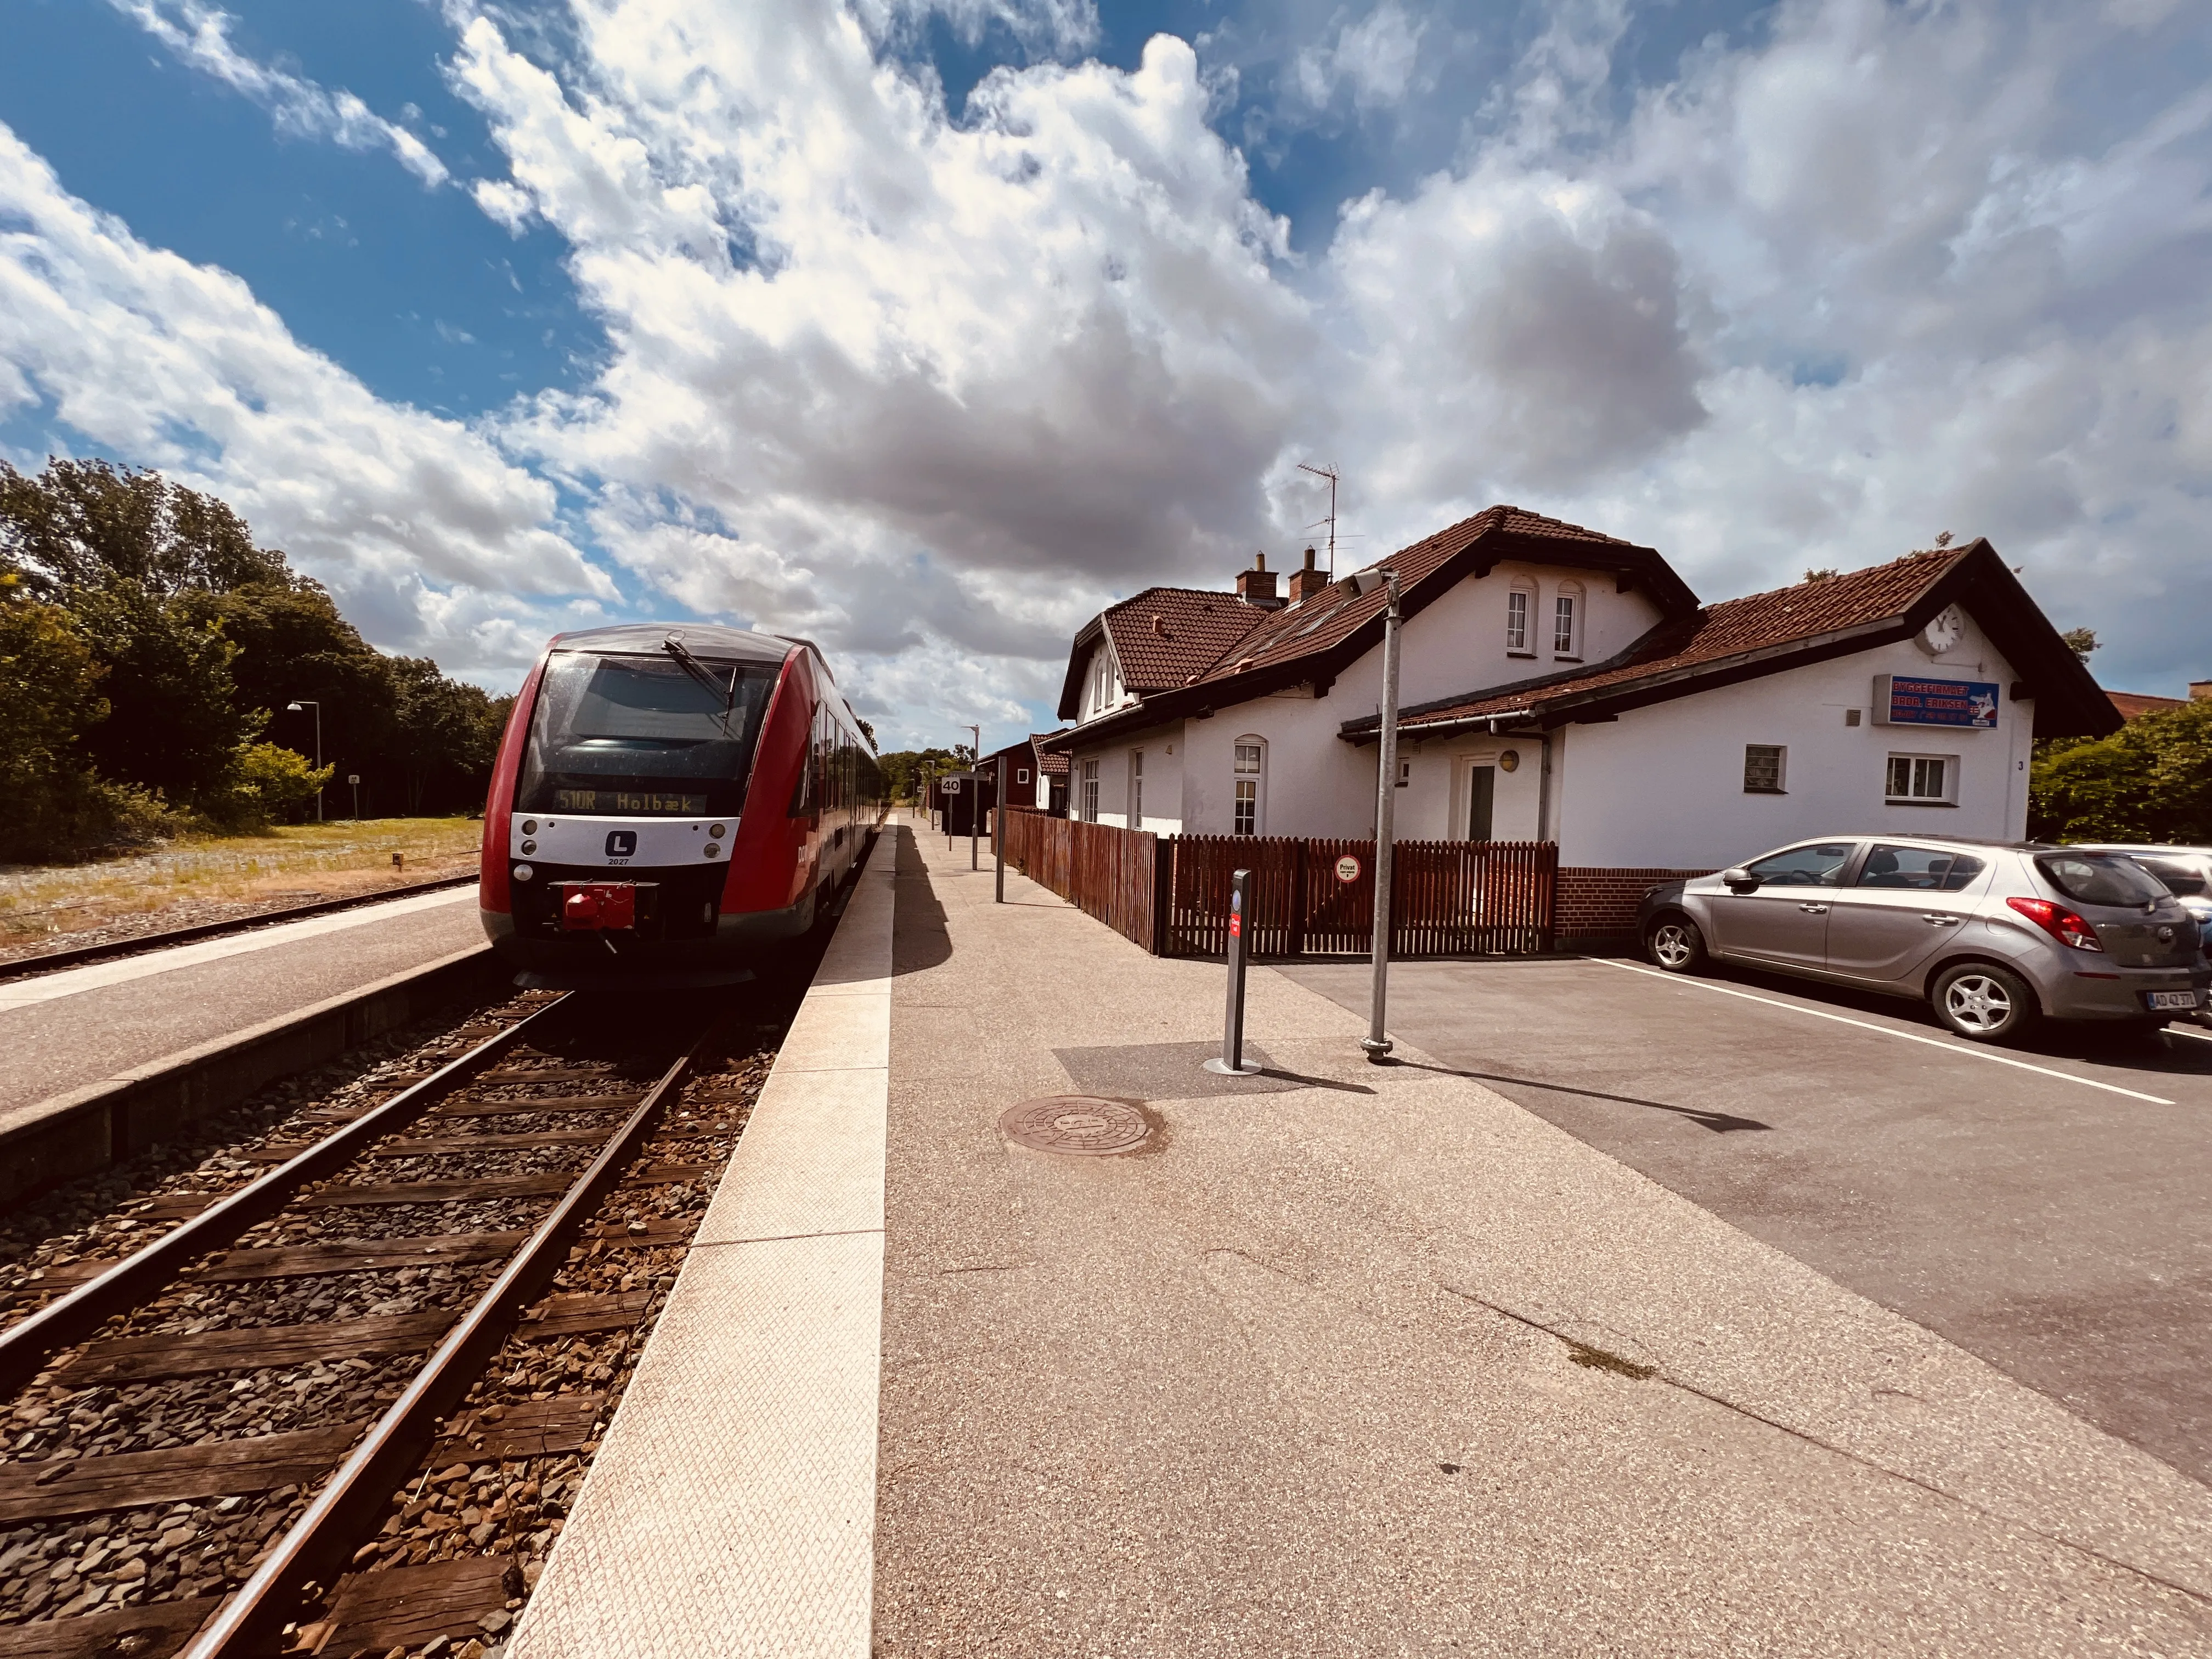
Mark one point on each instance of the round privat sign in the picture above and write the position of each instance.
(1347, 868)
(1086, 1125)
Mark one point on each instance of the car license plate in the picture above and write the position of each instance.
(2173, 998)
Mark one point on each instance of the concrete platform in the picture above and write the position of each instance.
(731, 1509)
(64, 1030)
(1345, 1360)
(1364, 1360)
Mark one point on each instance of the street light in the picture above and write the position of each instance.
(1377, 1043)
(975, 800)
(293, 708)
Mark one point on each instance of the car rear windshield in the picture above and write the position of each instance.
(643, 737)
(2101, 879)
(2179, 878)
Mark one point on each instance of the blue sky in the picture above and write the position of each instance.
(926, 326)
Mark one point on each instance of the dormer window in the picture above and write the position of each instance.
(1521, 619)
(1098, 682)
(1566, 621)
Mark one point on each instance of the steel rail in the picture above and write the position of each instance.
(28, 1345)
(80, 955)
(249, 1622)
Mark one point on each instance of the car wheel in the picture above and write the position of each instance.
(1984, 1003)
(1675, 945)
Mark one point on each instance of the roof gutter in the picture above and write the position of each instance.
(1431, 728)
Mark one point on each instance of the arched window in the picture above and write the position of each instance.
(1520, 618)
(1567, 620)
(1248, 786)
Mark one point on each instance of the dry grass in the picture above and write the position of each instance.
(188, 882)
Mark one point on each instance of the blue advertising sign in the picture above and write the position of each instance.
(1902, 700)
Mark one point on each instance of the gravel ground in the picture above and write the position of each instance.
(516, 1508)
(91, 1219)
(57, 1569)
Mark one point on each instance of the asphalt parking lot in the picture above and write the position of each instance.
(2041, 1206)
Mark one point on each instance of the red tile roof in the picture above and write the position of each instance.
(1052, 765)
(1340, 608)
(2133, 705)
(1165, 634)
(1732, 628)
(1166, 637)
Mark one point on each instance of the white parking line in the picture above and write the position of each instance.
(2183, 1030)
(1885, 1030)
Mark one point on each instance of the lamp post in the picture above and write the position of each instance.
(1386, 784)
(293, 708)
(975, 800)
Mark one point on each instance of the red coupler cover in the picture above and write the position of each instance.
(602, 906)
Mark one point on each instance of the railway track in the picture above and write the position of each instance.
(335, 1405)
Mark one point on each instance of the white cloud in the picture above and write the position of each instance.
(1055, 29)
(1812, 303)
(198, 34)
(917, 387)
(425, 531)
(1374, 59)
(929, 389)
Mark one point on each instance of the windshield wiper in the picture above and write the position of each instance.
(697, 670)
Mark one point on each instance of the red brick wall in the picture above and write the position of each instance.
(1595, 903)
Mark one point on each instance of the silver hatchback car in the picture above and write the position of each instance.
(1996, 935)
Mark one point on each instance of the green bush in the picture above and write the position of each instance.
(266, 784)
(2150, 781)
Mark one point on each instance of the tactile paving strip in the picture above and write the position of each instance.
(730, 1510)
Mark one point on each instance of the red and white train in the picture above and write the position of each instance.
(671, 802)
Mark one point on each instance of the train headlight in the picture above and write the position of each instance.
(712, 849)
(523, 872)
(530, 847)
(716, 831)
(530, 826)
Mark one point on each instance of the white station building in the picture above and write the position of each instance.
(1558, 684)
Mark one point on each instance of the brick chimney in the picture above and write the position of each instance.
(1257, 585)
(2200, 691)
(1305, 583)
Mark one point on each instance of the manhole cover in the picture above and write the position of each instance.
(1088, 1126)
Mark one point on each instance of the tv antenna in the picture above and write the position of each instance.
(1329, 473)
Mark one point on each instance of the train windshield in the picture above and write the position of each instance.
(669, 735)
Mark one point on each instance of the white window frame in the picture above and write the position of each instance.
(1087, 790)
(1099, 670)
(1255, 776)
(1021, 775)
(1136, 789)
(1520, 617)
(1568, 621)
(1916, 777)
(1781, 752)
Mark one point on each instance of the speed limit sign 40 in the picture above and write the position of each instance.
(1347, 868)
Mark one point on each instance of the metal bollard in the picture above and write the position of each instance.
(1230, 1061)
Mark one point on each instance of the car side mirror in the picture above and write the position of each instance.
(1740, 881)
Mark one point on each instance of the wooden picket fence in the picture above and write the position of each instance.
(1308, 896)
(1104, 871)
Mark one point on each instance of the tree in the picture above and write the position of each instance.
(2080, 641)
(294, 647)
(448, 733)
(2150, 781)
(80, 523)
(172, 722)
(903, 768)
(201, 642)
